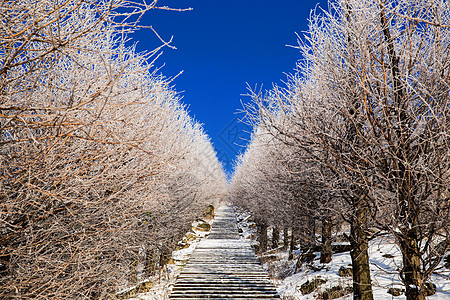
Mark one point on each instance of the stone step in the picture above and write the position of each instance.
(224, 294)
(201, 295)
(224, 281)
(210, 277)
(223, 266)
(223, 291)
(233, 297)
(215, 285)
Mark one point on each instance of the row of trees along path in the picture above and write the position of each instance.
(224, 266)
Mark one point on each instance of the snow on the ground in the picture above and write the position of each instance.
(162, 283)
(385, 261)
(247, 228)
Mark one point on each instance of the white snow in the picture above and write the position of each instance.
(385, 261)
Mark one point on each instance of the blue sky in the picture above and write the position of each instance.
(222, 46)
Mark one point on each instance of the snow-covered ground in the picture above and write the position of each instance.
(385, 260)
(162, 283)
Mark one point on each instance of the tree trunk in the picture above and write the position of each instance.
(311, 238)
(292, 244)
(285, 238)
(150, 263)
(262, 237)
(362, 284)
(326, 252)
(275, 237)
(411, 271)
(164, 256)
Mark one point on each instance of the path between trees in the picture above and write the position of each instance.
(224, 266)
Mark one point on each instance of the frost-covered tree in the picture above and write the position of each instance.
(282, 186)
(371, 96)
(92, 140)
(378, 69)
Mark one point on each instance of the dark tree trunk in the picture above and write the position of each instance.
(311, 230)
(362, 284)
(164, 256)
(339, 223)
(412, 273)
(275, 237)
(262, 237)
(326, 251)
(150, 263)
(163, 260)
(285, 238)
(292, 244)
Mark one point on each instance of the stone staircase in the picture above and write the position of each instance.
(223, 266)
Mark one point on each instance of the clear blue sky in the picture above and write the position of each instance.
(222, 46)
